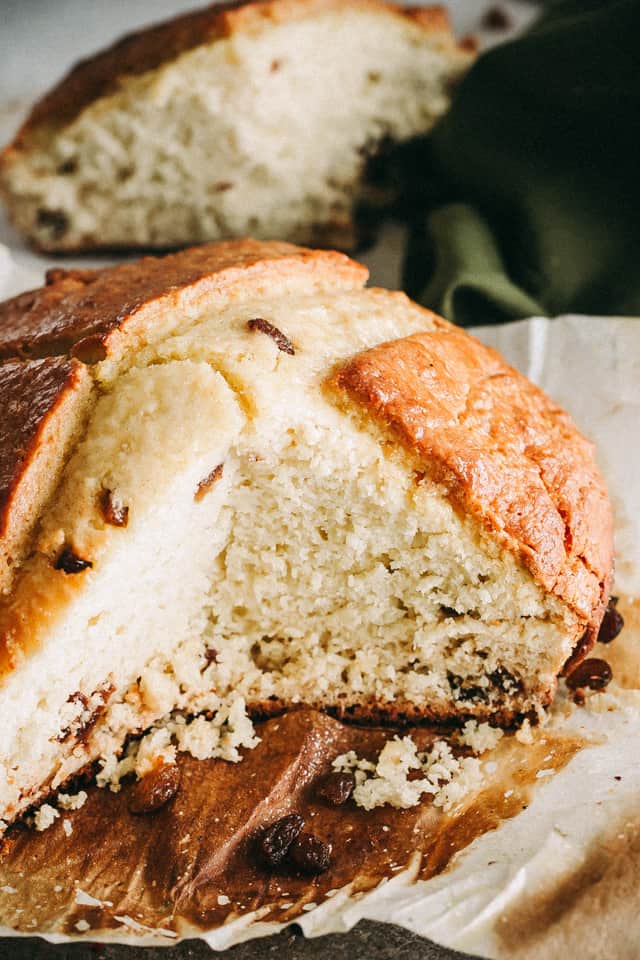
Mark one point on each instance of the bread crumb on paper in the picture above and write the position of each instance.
(220, 736)
(45, 816)
(447, 779)
(204, 738)
(480, 737)
(67, 801)
(525, 733)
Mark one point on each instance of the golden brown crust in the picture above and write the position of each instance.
(149, 48)
(92, 313)
(42, 405)
(433, 19)
(503, 451)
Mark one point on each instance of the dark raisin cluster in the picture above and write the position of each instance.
(284, 841)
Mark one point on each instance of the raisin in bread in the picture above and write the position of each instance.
(255, 118)
(291, 489)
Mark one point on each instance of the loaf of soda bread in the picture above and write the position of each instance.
(257, 117)
(261, 479)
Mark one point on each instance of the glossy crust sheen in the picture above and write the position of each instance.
(90, 313)
(505, 453)
(148, 49)
(40, 403)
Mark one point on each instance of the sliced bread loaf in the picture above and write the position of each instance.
(254, 117)
(291, 490)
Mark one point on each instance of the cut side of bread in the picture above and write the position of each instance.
(253, 118)
(290, 491)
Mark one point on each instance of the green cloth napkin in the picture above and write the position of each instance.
(526, 196)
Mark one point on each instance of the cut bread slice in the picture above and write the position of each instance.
(291, 490)
(254, 118)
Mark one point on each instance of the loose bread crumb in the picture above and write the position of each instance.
(525, 733)
(480, 737)
(447, 779)
(68, 801)
(219, 736)
(45, 816)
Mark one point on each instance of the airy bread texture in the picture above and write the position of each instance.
(239, 523)
(254, 118)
